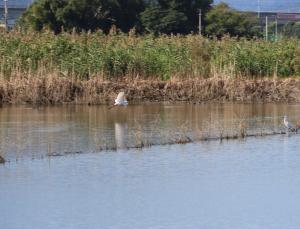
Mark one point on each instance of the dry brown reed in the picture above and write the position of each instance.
(55, 89)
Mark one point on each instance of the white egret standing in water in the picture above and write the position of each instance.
(288, 125)
(120, 100)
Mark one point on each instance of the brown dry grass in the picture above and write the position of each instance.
(55, 89)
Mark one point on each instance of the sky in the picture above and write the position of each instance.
(248, 5)
(265, 5)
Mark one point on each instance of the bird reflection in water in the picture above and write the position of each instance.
(121, 130)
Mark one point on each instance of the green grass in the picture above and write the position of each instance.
(113, 56)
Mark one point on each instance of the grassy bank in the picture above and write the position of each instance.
(52, 89)
(88, 55)
(42, 68)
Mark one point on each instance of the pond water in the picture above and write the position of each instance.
(243, 183)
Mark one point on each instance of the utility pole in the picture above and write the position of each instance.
(266, 28)
(258, 9)
(276, 29)
(200, 22)
(5, 15)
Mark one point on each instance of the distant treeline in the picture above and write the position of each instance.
(144, 16)
(117, 55)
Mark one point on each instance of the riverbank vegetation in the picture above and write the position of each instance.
(87, 55)
(54, 89)
(43, 68)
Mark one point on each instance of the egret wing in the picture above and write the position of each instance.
(120, 97)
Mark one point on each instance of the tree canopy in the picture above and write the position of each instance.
(83, 14)
(154, 16)
(291, 29)
(157, 16)
(173, 16)
(222, 20)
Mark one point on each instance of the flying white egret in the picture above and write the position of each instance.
(288, 125)
(120, 100)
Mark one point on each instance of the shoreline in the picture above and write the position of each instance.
(55, 90)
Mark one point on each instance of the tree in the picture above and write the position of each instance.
(173, 16)
(291, 29)
(83, 14)
(222, 20)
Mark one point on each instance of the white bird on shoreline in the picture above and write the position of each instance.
(120, 100)
(288, 125)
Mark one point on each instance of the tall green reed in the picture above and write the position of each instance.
(119, 55)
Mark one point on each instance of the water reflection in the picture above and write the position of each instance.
(26, 132)
(120, 135)
(203, 185)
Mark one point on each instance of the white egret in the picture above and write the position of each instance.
(120, 100)
(288, 125)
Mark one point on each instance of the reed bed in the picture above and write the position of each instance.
(43, 68)
(86, 55)
(53, 89)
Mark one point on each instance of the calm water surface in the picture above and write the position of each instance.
(251, 183)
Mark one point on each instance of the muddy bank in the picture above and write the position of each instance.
(56, 90)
